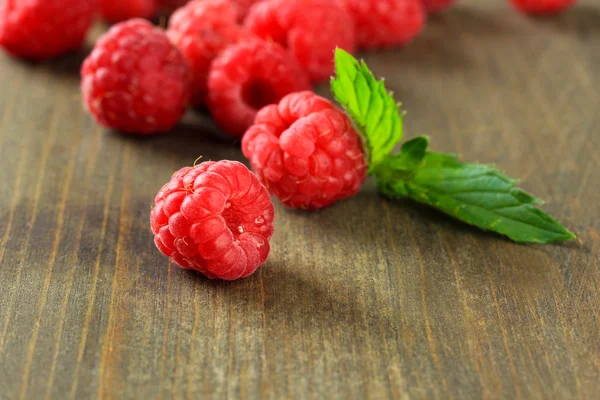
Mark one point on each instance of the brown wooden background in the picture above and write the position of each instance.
(367, 299)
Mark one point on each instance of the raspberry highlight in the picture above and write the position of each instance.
(216, 218)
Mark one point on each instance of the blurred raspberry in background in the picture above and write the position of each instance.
(41, 29)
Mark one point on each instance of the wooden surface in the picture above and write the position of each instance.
(367, 299)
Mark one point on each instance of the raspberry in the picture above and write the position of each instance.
(202, 30)
(436, 6)
(542, 7)
(135, 80)
(121, 10)
(40, 29)
(386, 23)
(247, 77)
(215, 218)
(309, 29)
(306, 152)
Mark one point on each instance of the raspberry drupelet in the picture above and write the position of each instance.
(309, 29)
(216, 218)
(135, 80)
(386, 23)
(247, 77)
(41, 29)
(121, 10)
(306, 152)
(202, 30)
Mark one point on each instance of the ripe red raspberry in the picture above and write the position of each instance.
(202, 30)
(437, 6)
(542, 6)
(386, 23)
(40, 29)
(247, 77)
(135, 80)
(216, 218)
(121, 10)
(309, 29)
(306, 152)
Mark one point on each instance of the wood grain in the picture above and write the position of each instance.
(367, 299)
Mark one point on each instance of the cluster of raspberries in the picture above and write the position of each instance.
(40, 29)
(251, 63)
(232, 57)
(217, 217)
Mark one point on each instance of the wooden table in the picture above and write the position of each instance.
(367, 299)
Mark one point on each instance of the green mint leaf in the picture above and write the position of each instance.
(372, 109)
(404, 164)
(477, 194)
(411, 156)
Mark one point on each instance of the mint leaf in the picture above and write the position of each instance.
(372, 109)
(479, 195)
(411, 155)
(404, 164)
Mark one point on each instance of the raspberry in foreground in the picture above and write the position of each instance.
(121, 10)
(202, 30)
(542, 7)
(306, 152)
(216, 218)
(41, 29)
(437, 6)
(247, 77)
(135, 80)
(309, 29)
(386, 23)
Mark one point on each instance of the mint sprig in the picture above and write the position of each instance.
(479, 195)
